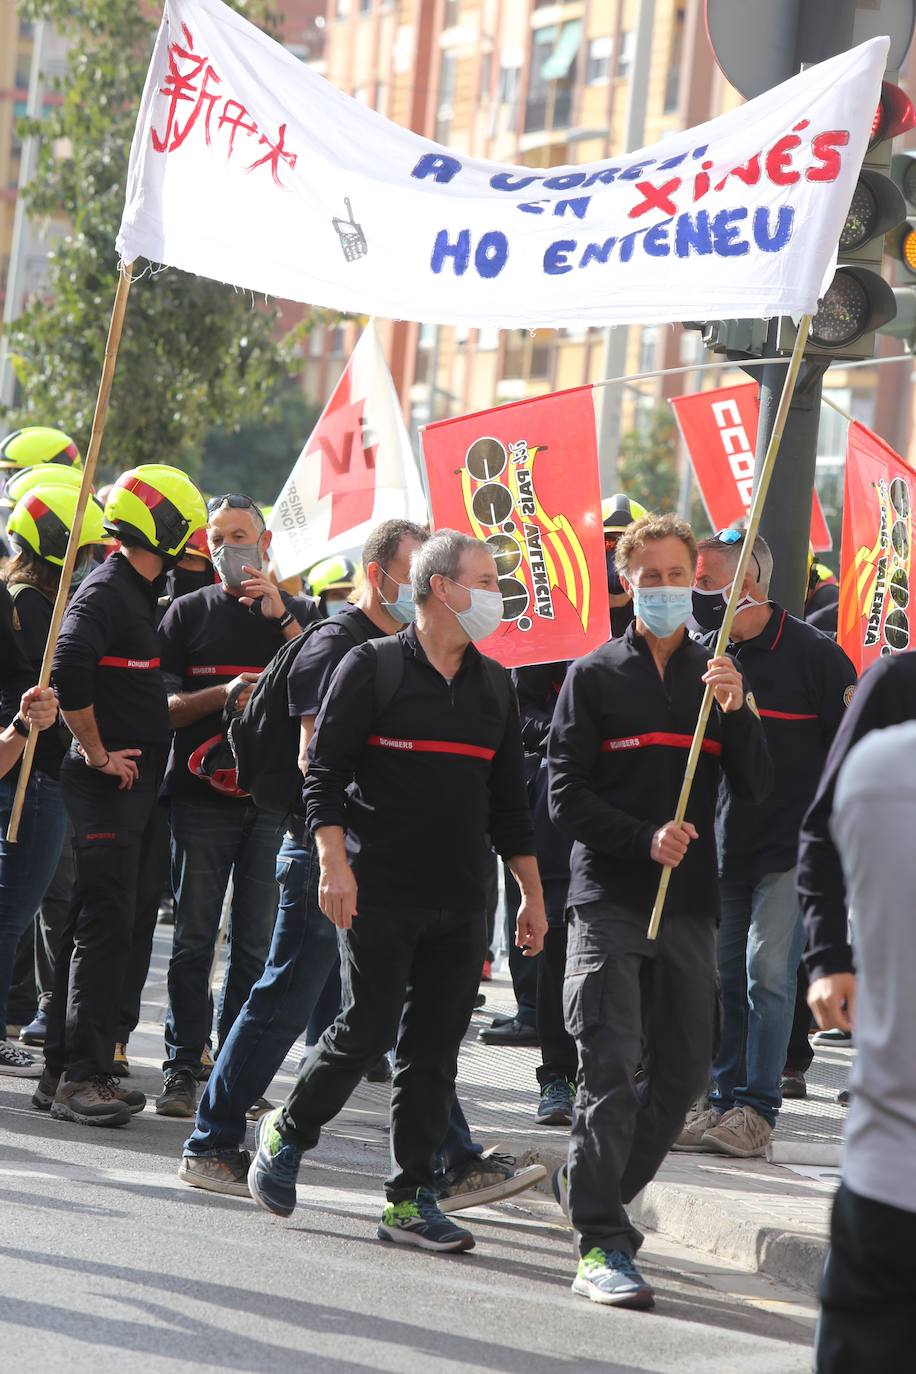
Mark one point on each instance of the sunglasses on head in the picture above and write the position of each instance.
(731, 537)
(234, 502)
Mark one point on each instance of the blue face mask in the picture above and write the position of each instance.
(332, 608)
(663, 610)
(403, 608)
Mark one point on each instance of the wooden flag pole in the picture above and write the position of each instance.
(112, 345)
(753, 525)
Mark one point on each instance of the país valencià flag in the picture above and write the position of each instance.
(524, 477)
(720, 431)
(876, 555)
(356, 469)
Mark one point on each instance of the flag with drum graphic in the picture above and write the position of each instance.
(524, 478)
(876, 558)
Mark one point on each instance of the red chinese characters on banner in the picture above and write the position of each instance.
(876, 554)
(524, 477)
(192, 88)
(720, 431)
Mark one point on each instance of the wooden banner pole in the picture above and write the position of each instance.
(753, 525)
(60, 604)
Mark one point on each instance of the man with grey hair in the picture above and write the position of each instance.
(801, 684)
(416, 758)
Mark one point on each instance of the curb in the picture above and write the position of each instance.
(693, 1215)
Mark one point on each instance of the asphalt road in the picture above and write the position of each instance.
(108, 1263)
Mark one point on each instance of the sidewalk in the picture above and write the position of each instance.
(767, 1218)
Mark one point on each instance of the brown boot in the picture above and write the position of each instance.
(95, 1102)
(43, 1095)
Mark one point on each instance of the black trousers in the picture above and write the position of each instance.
(559, 1058)
(108, 830)
(409, 978)
(523, 971)
(799, 1054)
(631, 1001)
(153, 879)
(868, 1292)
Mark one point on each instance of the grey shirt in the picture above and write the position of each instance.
(874, 828)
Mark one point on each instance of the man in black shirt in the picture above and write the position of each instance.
(802, 682)
(617, 750)
(417, 755)
(106, 672)
(215, 643)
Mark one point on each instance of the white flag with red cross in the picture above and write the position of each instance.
(356, 469)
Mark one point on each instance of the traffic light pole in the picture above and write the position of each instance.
(786, 521)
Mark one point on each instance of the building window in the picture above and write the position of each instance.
(648, 348)
(487, 339)
(446, 107)
(342, 9)
(675, 58)
(365, 6)
(598, 63)
(552, 76)
(486, 75)
(626, 53)
(452, 14)
(526, 356)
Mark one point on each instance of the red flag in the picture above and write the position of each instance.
(876, 551)
(720, 431)
(524, 477)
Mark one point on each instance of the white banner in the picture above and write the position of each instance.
(250, 168)
(356, 470)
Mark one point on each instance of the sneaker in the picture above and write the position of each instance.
(260, 1107)
(134, 1100)
(844, 1097)
(35, 1033)
(94, 1102)
(834, 1036)
(556, 1104)
(225, 1173)
(610, 1277)
(792, 1084)
(422, 1223)
(698, 1122)
(486, 973)
(179, 1095)
(273, 1171)
(206, 1064)
(489, 1177)
(742, 1132)
(45, 1093)
(17, 1063)
(559, 1184)
(119, 1065)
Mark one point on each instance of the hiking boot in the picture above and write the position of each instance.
(206, 1064)
(610, 1277)
(17, 1063)
(134, 1100)
(422, 1223)
(45, 1093)
(742, 1132)
(792, 1084)
(695, 1127)
(488, 1178)
(273, 1172)
(35, 1033)
(178, 1096)
(225, 1173)
(93, 1102)
(556, 1104)
(119, 1065)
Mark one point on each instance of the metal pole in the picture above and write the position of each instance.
(92, 454)
(761, 486)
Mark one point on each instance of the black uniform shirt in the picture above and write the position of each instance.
(802, 683)
(420, 787)
(207, 638)
(617, 752)
(886, 695)
(107, 656)
(317, 660)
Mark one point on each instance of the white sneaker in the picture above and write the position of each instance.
(17, 1063)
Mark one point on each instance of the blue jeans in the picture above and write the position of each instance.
(303, 952)
(210, 842)
(27, 867)
(759, 947)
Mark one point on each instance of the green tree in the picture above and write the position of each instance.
(648, 469)
(256, 459)
(195, 353)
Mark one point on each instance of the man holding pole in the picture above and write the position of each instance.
(620, 736)
(112, 695)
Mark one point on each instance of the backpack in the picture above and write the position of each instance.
(389, 669)
(265, 737)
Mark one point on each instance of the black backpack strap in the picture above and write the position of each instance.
(389, 669)
(498, 680)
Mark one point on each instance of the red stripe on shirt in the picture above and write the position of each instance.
(613, 746)
(431, 746)
(222, 669)
(140, 664)
(789, 715)
(782, 625)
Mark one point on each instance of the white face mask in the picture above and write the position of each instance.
(484, 614)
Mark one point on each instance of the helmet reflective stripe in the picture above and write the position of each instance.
(42, 521)
(157, 505)
(38, 444)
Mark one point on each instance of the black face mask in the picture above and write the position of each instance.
(709, 608)
(183, 580)
(614, 585)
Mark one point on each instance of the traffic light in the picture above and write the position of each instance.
(859, 301)
(903, 325)
(735, 338)
(902, 244)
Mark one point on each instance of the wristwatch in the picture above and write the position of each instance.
(287, 620)
(20, 726)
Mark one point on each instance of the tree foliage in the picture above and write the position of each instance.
(195, 353)
(648, 469)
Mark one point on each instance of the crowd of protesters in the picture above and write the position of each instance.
(211, 737)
